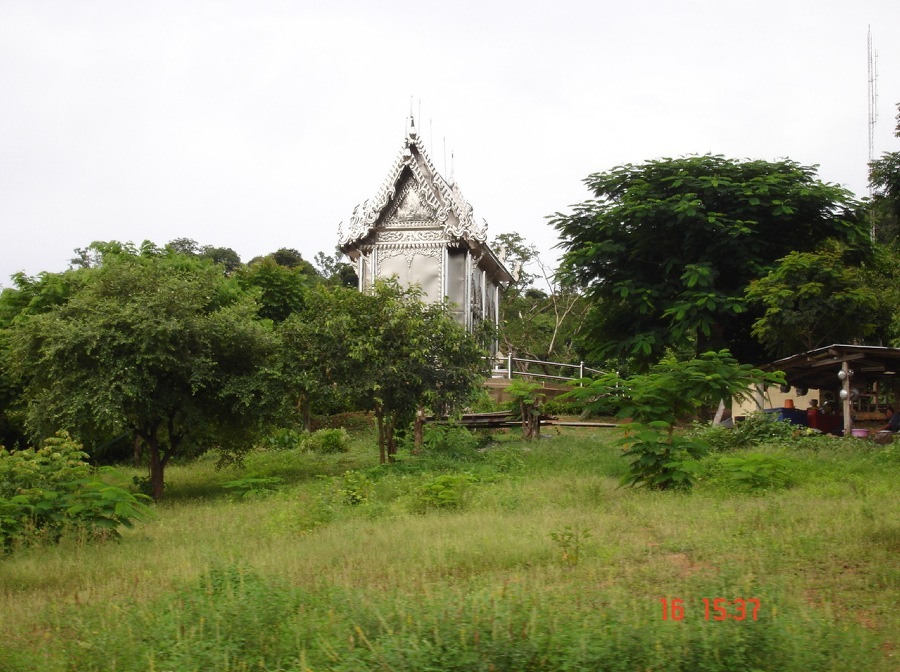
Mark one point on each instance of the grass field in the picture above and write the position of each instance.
(513, 557)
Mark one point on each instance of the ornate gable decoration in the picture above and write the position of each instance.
(414, 193)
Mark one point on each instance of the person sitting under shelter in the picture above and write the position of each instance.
(893, 423)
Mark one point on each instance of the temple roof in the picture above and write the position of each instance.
(414, 179)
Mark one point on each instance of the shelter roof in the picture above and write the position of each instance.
(818, 368)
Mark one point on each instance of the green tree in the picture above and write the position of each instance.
(290, 258)
(29, 296)
(334, 270)
(315, 369)
(884, 178)
(811, 299)
(666, 249)
(227, 258)
(539, 317)
(673, 391)
(160, 346)
(281, 290)
(383, 350)
(412, 355)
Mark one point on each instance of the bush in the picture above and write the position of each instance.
(325, 441)
(48, 491)
(754, 472)
(452, 442)
(321, 441)
(284, 439)
(756, 429)
(660, 459)
(354, 487)
(447, 491)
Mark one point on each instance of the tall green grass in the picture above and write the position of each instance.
(301, 579)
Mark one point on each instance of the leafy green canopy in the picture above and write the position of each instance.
(52, 489)
(384, 350)
(884, 178)
(162, 347)
(812, 299)
(672, 391)
(666, 249)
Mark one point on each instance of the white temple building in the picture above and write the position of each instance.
(419, 228)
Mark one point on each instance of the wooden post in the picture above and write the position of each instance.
(845, 387)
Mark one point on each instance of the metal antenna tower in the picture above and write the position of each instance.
(873, 109)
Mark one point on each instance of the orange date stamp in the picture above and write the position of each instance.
(714, 609)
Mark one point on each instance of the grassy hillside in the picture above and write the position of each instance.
(512, 557)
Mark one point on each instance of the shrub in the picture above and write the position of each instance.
(754, 472)
(658, 460)
(756, 429)
(570, 542)
(45, 492)
(452, 442)
(325, 441)
(284, 439)
(447, 491)
(354, 487)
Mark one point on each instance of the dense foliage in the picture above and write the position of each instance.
(161, 347)
(47, 492)
(666, 249)
(172, 350)
(813, 299)
(672, 391)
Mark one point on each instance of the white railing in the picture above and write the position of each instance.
(509, 366)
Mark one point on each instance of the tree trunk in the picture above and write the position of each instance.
(157, 469)
(379, 417)
(391, 440)
(304, 408)
(138, 456)
(525, 409)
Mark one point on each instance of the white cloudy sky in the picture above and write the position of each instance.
(259, 124)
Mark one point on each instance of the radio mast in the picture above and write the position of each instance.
(873, 108)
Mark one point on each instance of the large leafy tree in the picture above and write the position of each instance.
(28, 296)
(811, 299)
(281, 290)
(315, 370)
(411, 355)
(384, 350)
(665, 249)
(162, 346)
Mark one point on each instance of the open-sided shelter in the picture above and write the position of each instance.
(861, 378)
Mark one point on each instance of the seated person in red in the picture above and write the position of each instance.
(812, 414)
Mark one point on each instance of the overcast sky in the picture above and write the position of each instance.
(260, 124)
